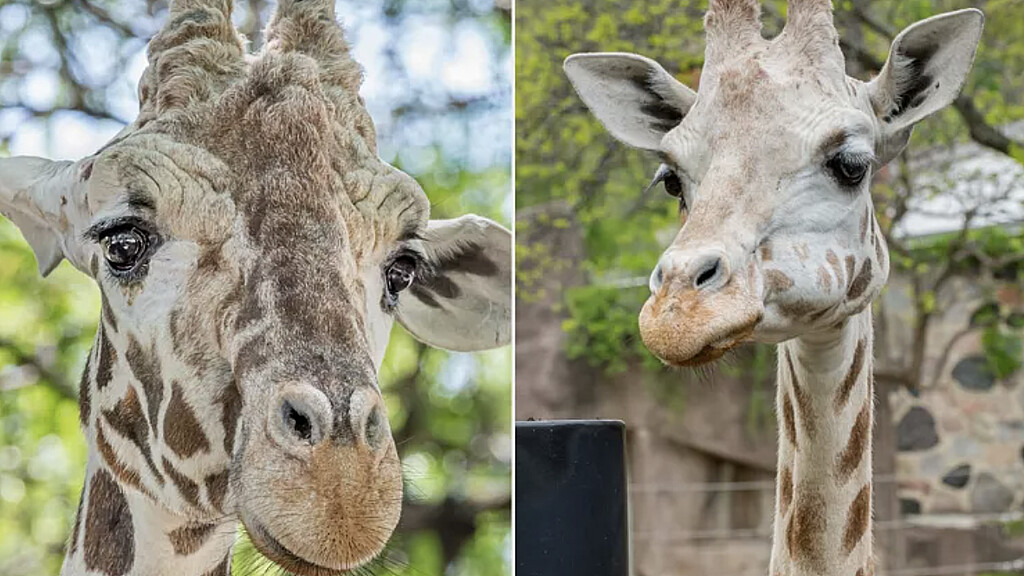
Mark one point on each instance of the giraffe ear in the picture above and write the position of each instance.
(927, 67)
(462, 299)
(633, 96)
(33, 193)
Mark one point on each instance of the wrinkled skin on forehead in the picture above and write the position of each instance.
(771, 157)
(234, 372)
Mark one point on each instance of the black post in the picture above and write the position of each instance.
(571, 498)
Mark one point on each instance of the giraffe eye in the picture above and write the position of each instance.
(400, 273)
(848, 170)
(673, 184)
(124, 248)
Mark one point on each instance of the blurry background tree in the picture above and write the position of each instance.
(948, 329)
(438, 85)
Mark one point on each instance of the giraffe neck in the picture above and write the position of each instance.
(156, 499)
(121, 532)
(823, 493)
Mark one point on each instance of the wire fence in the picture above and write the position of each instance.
(720, 543)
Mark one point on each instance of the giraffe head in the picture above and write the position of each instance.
(771, 159)
(252, 251)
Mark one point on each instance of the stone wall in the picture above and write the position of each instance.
(960, 438)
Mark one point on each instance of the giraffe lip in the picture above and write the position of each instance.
(717, 348)
(281, 555)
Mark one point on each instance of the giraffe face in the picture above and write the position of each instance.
(253, 252)
(770, 161)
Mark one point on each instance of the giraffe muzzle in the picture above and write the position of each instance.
(698, 309)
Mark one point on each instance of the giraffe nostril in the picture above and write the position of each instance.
(296, 422)
(300, 418)
(708, 274)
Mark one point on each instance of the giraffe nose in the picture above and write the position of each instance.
(704, 270)
(367, 418)
(300, 418)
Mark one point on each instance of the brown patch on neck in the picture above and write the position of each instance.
(108, 315)
(851, 266)
(127, 419)
(766, 253)
(189, 538)
(217, 489)
(803, 399)
(107, 359)
(857, 519)
(805, 534)
(861, 282)
(851, 377)
(85, 393)
(189, 490)
(109, 535)
(858, 444)
(182, 432)
(126, 475)
(785, 490)
(146, 370)
(78, 523)
(789, 419)
(230, 409)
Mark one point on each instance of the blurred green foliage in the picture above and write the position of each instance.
(564, 155)
(450, 413)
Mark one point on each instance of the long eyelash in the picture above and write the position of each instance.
(100, 229)
(663, 172)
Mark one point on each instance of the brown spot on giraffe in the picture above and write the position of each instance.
(776, 281)
(802, 252)
(864, 224)
(861, 282)
(188, 539)
(188, 489)
(766, 252)
(110, 321)
(851, 267)
(824, 279)
(127, 475)
(217, 489)
(833, 261)
(84, 393)
(879, 251)
(107, 359)
(857, 519)
(805, 533)
(127, 419)
(857, 445)
(785, 490)
(182, 432)
(789, 419)
(78, 522)
(108, 520)
(803, 399)
(230, 409)
(851, 377)
(146, 370)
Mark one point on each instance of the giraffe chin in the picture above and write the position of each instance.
(279, 554)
